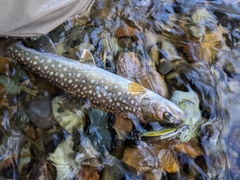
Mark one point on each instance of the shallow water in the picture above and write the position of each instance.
(193, 46)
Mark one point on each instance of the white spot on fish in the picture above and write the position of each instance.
(106, 87)
(92, 81)
(65, 79)
(87, 74)
(39, 68)
(132, 101)
(28, 58)
(69, 74)
(19, 54)
(59, 65)
(119, 93)
(102, 81)
(83, 81)
(51, 73)
(126, 107)
(115, 87)
(84, 88)
(124, 101)
(16, 51)
(99, 96)
(65, 69)
(110, 100)
(45, 67)
(53, 65)
(118, 104)
(49, 60)
(56, 73)
(42, 61)
(61, 75)
(78, 75)
(78, 90)
(36, 57)
(97, 88)
(75, 85)
(90, 91)
(35, 62)
(69, 81)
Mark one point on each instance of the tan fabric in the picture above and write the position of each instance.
(35, 17)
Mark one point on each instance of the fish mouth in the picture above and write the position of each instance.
(177, 115)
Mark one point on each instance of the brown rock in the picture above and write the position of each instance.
(123, 127)
(30, 131)
(88, 173)
(131, 67)
(127, 31)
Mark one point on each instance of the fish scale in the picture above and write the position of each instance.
(103, 89)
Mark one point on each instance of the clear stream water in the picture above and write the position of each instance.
(193, 45)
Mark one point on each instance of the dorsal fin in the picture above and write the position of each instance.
(136, 88)
(87, 58)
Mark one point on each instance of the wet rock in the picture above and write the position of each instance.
(127, 31)
(5, 66)
(99, 131)
(70, 116)
(67, 161)
(189, 103)
(123, 127)
(30, 131)
(40, 113)
(167, 161)
(131, 67)
(202, 19)
(10, 85)
(88, 173)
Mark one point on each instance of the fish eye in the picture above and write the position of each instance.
(168, 116)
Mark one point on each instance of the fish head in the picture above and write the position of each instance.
(161, 110)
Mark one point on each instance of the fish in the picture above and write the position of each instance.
(103, 89)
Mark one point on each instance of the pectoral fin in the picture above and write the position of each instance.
(136, 88)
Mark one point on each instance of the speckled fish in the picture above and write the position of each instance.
(103, 89)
